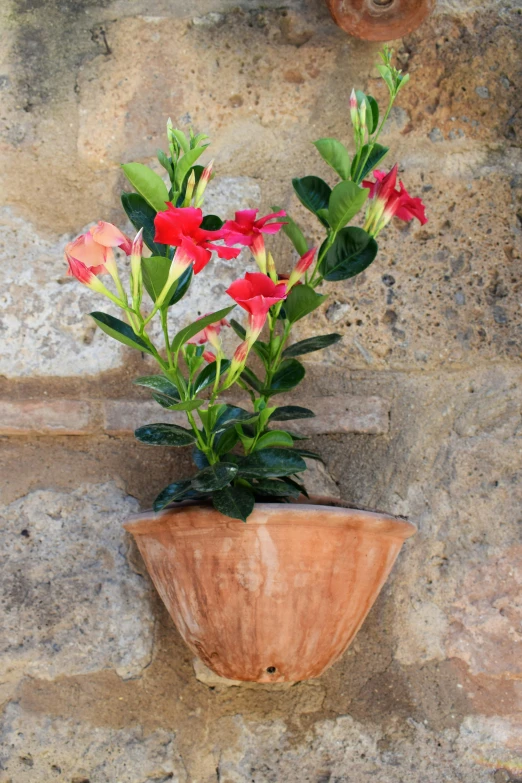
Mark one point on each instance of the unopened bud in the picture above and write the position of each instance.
(271, 267)
(191, 184)
(136, 272)
(354, 114)
(202, 184)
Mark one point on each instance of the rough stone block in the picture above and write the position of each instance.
(124, 416)
(48, 417)
(40, 748)
(343, 414)
(71, 602)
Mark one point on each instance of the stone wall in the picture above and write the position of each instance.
(96, 685)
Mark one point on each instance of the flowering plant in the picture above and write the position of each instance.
(242, 453)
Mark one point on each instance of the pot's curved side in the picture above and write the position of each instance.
(278, 599)
(379, 20)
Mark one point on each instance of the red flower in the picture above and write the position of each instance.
(210, 334)
(245, 228)
(209, 356)
(180, 226)
(256, 294)
(389, 202)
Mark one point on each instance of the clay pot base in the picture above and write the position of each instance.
(276, 599)
(379, 20)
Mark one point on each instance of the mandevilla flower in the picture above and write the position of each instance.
(245, 228)
(300, 268)
(256, 293)
(387, 202)
(86, 276)
(94, 249)
(210, 334)
(181, 227)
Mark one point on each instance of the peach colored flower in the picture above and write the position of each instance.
(94, 249)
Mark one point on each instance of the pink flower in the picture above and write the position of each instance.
(388, 202)
(210, 334)
(300, 268)
(181, 227)
(209, 356)
(238, 360)
(94, 249)
(256, 293)
(245, 228)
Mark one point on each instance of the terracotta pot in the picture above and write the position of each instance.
(276, 599)
(379, 20)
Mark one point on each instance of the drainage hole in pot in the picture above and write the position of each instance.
(271, 670)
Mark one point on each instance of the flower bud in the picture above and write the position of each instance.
(136, 272)
(354, 114)
(362, 115)
(202, 184)
(271, 267)
(301, 267)
(191, 184)
(238, 360)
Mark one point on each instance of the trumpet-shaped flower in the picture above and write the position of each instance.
(210, 334)
(256, 293)
(181, 227)
(387, 202)
(244, 229)
(94, 249)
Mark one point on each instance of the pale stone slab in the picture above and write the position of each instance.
(343, 414)
(71, 602)
(49, 417)
(347, 413)
(40, 748)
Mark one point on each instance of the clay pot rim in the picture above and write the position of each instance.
(331, 512)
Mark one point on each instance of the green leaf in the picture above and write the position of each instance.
(372, 118)
(296, 485)
(351, 253)
(214, 477)
(192, 329)
(309, 455)
(313, 193)
(120, 331)
(336, 155)
(311, 344)
(234, 502)
(231, 416)
(384, 70)
(271, 463)
(181, 286)
(165, 435)
(166, 162)
(188, 405)
(155, 273)
(377, 154)
(288, 375)
(181, 139)
(274, 438)
(290, 412)
(161, 385)
(346, 201)
(225, 440)
(294, 233)
(148, 184)
(207, 376)
(252, 379)
(275, 488)
(175, 491)
(142, 215)
(185, 164)
(211, 223)
(301, 300)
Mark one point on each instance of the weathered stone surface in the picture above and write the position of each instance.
(53, 417)
(71, 602)
(45, 749)
(343, 414)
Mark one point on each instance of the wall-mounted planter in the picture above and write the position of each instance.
(277, 599)
(379, 20)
